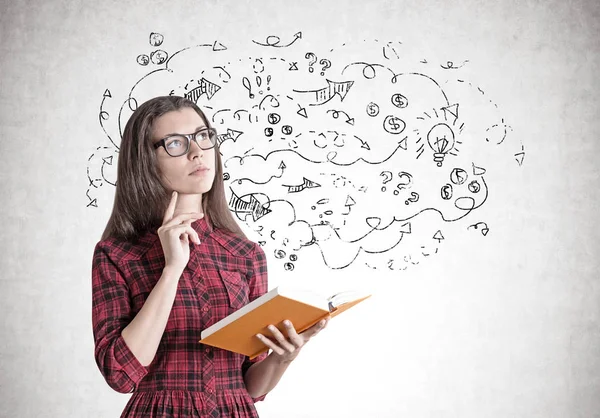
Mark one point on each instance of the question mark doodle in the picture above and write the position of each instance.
(326, 64)
(313, 59)
(403, 185)
(413, 198)
(385, 174)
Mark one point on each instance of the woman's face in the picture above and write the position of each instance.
(182, 173)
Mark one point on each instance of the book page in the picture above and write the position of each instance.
(344, 297)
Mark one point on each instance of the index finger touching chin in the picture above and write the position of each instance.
(171, 208)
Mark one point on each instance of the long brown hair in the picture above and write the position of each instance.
(141, 198)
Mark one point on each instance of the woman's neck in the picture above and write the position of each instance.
(188, 203)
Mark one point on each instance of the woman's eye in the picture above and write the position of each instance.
(176, 143)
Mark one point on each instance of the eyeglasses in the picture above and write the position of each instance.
(179, 144)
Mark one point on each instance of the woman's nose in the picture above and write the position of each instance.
(195, 148)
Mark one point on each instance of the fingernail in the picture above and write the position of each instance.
(271, 327)
(287, 323)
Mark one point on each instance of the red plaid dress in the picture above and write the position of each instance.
(186, 378)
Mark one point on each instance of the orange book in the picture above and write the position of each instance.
(237, 332)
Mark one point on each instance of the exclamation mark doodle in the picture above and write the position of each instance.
(246, 83)
(259, 83)
(268, 81)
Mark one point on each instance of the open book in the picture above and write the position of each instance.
(237, 332)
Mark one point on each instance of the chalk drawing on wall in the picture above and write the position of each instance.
(366, 153)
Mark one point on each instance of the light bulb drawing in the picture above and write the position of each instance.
(441, 141)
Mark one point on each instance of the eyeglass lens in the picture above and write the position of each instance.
(178, 145)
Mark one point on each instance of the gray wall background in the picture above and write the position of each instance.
(508, 328)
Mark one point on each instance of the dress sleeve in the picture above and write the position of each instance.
(111, 312)
(258, 284)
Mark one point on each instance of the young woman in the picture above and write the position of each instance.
(171, 262)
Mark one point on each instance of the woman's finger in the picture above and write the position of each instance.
(272, 344)
(293, 336)
(315, 329)
(280, 338)
(266, 341)
(181, 229)
(171, 208)
(190, 232)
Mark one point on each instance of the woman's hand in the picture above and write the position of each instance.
(175, 234)
(286, 349)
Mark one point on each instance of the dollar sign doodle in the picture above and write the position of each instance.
(393, 124)
(372, 109)
(273, 118)
(399, 100)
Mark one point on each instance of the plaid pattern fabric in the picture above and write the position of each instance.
(186, 378)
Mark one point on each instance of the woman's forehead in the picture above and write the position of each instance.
(183, 121)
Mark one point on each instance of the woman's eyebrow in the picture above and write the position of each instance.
(177, 133)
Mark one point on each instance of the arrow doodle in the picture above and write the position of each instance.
(273, 41)
(253, 206)
(231, 134)
(325, 94)
(307, 184)
(205, 87)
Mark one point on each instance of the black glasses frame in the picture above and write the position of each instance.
(212, 134)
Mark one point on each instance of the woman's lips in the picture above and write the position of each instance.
(200, 172)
